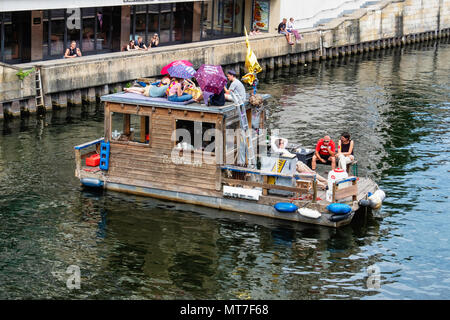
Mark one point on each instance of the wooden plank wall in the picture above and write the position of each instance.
(151, 165)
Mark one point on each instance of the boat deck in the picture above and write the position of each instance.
(141, 100)
(263, 207)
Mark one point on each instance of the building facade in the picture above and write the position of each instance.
(41, 30)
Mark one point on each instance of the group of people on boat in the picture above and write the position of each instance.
(325, 153)
(174, 89)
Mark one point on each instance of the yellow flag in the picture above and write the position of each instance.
(251, 63)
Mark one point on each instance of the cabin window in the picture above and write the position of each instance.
(130, 128)
(195, 135)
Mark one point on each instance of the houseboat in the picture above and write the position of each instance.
(148, 150)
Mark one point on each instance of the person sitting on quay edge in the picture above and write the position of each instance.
(72, 51)
(154, 41)
(255, 31)
(345, 151)
(325, 153)
(282, 30)
(236, 86)
(131, 46)
(291, 29)
(140, 45)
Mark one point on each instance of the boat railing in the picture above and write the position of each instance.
(305, 182)
(342, 189)
(84, 151)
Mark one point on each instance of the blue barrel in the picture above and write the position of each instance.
(104, 155)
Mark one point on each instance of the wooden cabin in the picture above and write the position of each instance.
(150, 154)
(142, 142)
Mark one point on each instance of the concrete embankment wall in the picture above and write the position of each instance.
(20, 93)
(387, 24)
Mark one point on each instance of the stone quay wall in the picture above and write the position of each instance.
(83, 80)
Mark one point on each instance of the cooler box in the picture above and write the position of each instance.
(305, 155)
(93, 160)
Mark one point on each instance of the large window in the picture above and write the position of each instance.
(171, 21)
(130, 128)
(195, 135)
(91, 28)
(15, 39)
(2, 36)
(222, 18)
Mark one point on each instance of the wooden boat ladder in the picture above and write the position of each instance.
(246, 132)
(39, 96)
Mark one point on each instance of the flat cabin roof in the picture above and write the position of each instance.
(141, 100)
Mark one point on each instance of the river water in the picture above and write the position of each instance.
(395, 103)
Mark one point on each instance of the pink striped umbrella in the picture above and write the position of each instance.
(165, 70)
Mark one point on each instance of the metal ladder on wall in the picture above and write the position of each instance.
(39, 97)
(246, 132)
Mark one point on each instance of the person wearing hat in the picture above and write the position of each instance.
(236, 86)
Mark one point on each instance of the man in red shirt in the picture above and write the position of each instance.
(325, 153)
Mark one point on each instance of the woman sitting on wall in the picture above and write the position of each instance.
(291, 29)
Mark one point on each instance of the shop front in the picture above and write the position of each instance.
(46, 33)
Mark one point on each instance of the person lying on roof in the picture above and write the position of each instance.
(157, 89)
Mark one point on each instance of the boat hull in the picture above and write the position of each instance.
(228, 204)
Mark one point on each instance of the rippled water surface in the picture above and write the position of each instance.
(395, 104)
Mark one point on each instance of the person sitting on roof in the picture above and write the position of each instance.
(175, 91)
(217, 99)
(236, 87)
(279, 145)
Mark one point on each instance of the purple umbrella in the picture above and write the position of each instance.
(181, 71)
(211, 78)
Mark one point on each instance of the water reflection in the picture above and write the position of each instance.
(394, 103)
